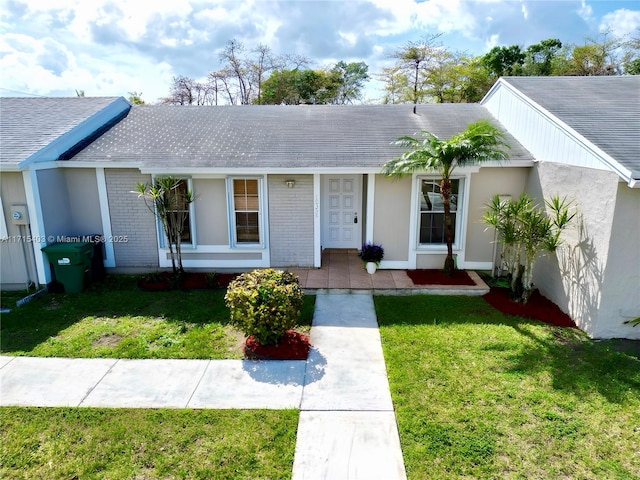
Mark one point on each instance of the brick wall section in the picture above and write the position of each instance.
(130, 217)
(291, 221)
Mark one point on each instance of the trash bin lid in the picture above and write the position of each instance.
(67, 247)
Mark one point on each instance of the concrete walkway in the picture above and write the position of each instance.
(347, 427)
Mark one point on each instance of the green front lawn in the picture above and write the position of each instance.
(114, 319)
(482, 395)
(82, 443)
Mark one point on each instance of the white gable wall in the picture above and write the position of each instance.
(547, 138)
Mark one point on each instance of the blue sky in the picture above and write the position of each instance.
(111, 47)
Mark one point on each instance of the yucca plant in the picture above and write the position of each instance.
(526, 230)
(169, 200)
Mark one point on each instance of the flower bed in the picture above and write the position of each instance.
(437, 277)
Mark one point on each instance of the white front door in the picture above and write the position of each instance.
(342, 227)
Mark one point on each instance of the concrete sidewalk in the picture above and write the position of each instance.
(347, 427)
(77, 382)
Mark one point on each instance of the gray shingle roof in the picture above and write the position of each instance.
(311, 136)
(29, 124)
(604, 110)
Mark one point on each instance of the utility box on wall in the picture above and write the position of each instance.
(19, 215)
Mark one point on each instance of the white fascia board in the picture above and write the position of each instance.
(30, 180)
(213, 171)
(492, 90)
(83, 130)
(9, 167)
(317, 227)
(105, 214)
(611, 163)
(97, 164)
(370, 207)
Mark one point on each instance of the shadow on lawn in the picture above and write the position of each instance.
(27, 326)
(578, 364)
(575, 363)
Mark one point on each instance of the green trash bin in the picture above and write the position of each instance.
(71, 263)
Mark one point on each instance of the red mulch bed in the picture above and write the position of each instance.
(292, 346)
(437, 277)
(537, 308)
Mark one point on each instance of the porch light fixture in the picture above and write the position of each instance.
(290, 183)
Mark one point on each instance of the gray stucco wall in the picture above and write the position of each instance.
(621, 285)
(591, 276)
(484, 185)
(54, 201)
(131, 218)
(392, 207)
(84, 204)
(291, 221)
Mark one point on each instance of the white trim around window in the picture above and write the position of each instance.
(461, 214)
(162, 240)
(248, 202)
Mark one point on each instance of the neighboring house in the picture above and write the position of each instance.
(275, 185)
(39, 200)
(584, 133)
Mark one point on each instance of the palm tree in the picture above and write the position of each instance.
(481, 141)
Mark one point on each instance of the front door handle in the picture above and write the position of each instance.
(355, 218)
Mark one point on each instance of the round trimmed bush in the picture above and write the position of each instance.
(265, 303)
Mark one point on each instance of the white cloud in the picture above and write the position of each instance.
(621, 22)
(493, 41)
(525, 12)
(586, 12)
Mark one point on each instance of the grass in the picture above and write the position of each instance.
(482, 395)
(74, 443)
(114, 319)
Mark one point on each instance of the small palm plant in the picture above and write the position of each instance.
(169, 199)
(480, 142)
(526, 231)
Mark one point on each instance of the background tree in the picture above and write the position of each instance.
(135, 98)
(396, 85)
(413, 59)
(341, 84)
(631, 59)
(481, 141)
(501, 61)
(350, 79)
(539, 57)
(457, 79)
(308, 86)
(236, 66)
(260, 66)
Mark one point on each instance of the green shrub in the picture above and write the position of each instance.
(265, 304)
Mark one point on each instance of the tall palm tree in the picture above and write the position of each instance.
(481, 141)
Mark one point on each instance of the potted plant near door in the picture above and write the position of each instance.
(371, 255)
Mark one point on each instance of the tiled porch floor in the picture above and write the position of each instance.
(342, 270)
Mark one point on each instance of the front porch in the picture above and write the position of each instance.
(342, 271)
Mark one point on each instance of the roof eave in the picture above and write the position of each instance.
(89, 126)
